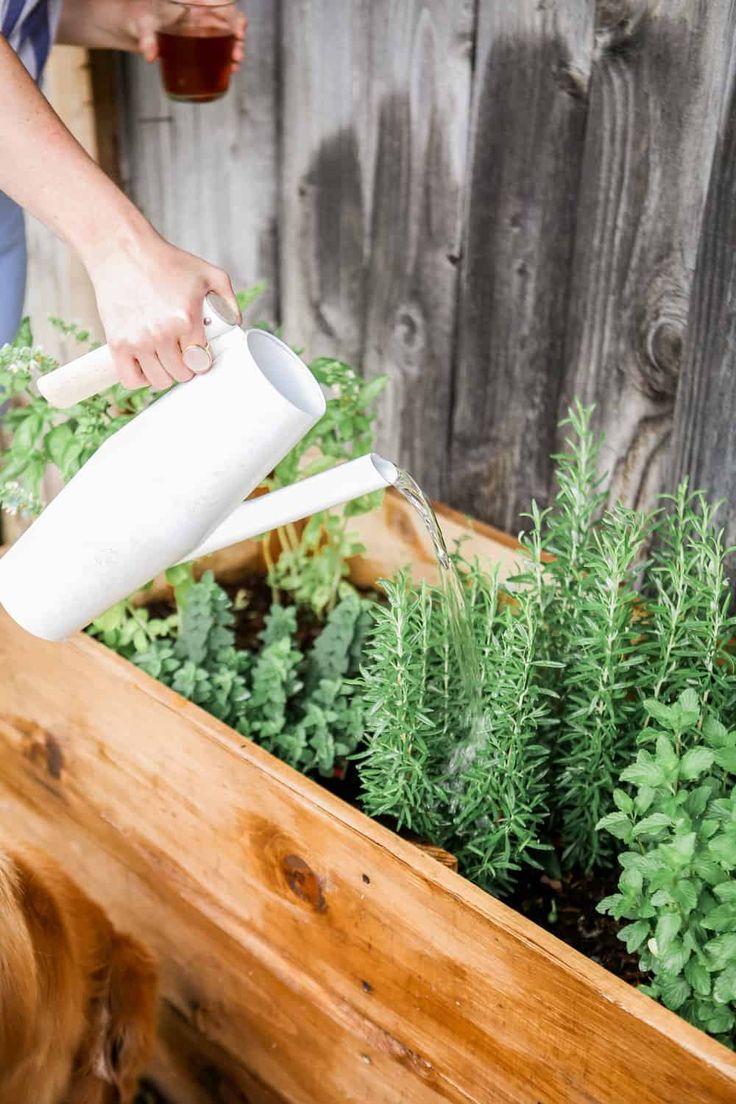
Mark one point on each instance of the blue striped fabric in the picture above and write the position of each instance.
(29, 27)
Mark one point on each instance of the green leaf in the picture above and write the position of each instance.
(668, 926)
(111, 619)
(623, 802)
(726, 892)
(698, 977)
(662, 713)
(644, 772)
(681, 850)
(631, 881)
(28, 431)
(689, 709)
(708, 869)
(695, 762)
(633, 935)
(721, 951)
(675, 958)
(370, 391)
(685, 894)
(674, 992)
(723, 849)
(716, 734)
(653, 823)
(644, 798)
(724, 989)
(57, 442)
(618, 824)
(726, 758)
(665, 754)
(721, 918)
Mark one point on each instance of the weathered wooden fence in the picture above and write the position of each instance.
(501, 203)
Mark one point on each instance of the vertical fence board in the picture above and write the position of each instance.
(205, 174)
(337, 169)
(325, 186)
(704, 443)
(529, 104)
(651, 130)
(376, 100)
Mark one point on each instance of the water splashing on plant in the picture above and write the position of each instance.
(464, 642)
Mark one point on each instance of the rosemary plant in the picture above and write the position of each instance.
(502, 810)
(688, 624)
(599, 687)
(406, 735)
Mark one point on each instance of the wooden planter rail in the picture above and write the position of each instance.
(307, 954)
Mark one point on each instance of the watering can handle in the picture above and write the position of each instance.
(95, 371)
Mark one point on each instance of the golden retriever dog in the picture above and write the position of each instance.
(77, 998)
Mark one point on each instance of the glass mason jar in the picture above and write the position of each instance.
(195, 46)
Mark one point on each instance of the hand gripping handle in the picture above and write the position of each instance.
(95, 371)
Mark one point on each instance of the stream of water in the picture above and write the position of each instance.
(464, 642)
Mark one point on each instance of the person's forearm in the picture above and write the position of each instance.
(46, 171)
(102, 24)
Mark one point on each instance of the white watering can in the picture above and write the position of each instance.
(169, 485)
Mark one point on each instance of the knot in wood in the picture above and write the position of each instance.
(410, 328)
(661, 337)
(617, 23)
(303, 882)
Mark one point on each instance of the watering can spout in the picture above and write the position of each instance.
(335, 487)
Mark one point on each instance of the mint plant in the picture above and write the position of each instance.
(677, 889)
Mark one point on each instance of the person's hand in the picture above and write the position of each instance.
(149, 296)
(145, 31)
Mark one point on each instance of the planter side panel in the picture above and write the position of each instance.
(306, 953)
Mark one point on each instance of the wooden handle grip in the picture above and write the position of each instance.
(80, 379)
(95, 372)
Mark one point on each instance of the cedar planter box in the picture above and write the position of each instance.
(308, 954)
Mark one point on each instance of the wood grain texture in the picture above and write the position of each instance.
(704, 446)
(529, 108)
(655, 92)
(306, 953)
(375, 117)
(204, 174)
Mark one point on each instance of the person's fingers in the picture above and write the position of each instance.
(147, 41)
(154, 370)
(238, 46)
(220, 282)
(127, 367)
(170, 355)
(194, 335)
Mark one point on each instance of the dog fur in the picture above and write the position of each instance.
(77, 998)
